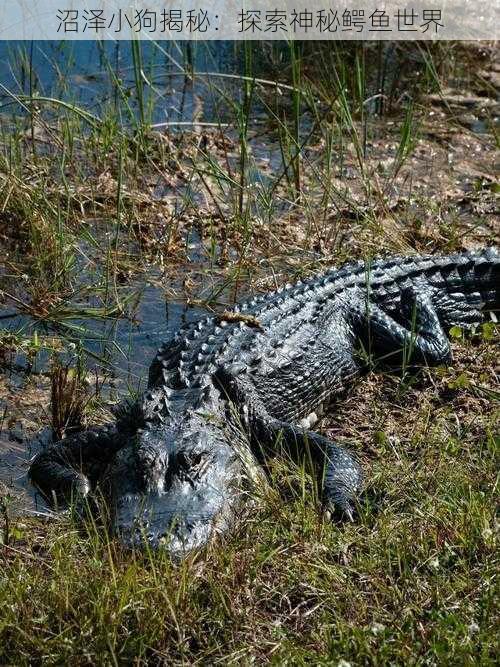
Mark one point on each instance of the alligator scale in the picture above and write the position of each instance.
(172, 471)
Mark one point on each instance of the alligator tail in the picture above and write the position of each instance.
(476, 276)
(464, 286)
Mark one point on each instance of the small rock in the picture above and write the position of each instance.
(377, 628)
(473, 629)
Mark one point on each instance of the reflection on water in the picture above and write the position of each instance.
(95, 75)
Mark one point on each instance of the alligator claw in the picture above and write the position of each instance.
(340, 509)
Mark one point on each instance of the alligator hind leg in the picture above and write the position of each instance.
(65, 470)
(420, 339)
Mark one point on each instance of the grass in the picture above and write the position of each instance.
(304, 163)
(68, 399)
(411, 582)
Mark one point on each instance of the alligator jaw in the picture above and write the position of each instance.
(149, 523)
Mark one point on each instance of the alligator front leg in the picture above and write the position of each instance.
(420, 339)
(342, 478)
(66, 470)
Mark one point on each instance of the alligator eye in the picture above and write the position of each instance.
(189, 460)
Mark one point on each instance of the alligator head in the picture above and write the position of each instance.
(175, 486)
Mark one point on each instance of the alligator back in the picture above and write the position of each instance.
(472, 277)
(460, 286)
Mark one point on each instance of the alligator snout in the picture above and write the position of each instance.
(174, 493)
(142, 522)
(180, 519)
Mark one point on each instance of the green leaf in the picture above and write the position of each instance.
(456, 332)
(488, 330)
(460, 382)
(381, 438)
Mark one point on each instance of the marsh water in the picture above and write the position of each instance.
(94, 75)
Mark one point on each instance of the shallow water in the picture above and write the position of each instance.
(85, 73)
(118, 350)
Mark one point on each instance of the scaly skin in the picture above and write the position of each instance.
(172, 471)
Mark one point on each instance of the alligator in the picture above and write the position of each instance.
(230, 389)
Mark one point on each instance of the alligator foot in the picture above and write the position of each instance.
(64, 470)
(342, 481)
(342, 478)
